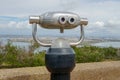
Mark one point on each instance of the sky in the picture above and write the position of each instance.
(103, 16)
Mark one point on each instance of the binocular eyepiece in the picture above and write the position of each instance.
(66, 20)
(62, 20)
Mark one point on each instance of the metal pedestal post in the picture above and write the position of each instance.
(60, 62)
(60, 76)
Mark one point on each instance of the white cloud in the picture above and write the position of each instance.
(113, 26)
(113, 23)
(99, 24)
(84, 7)
(16, 25)
(11, 24)
(104, 28)
(25, 8)
(103, 15)
(23, 25)
(16, 28)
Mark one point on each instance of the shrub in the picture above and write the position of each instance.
(17, 57)
(109, 53)
(88, 54)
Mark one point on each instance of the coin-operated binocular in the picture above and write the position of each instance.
(60, 57)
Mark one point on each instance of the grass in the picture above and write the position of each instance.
(12, 56)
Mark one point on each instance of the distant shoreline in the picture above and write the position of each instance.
(49, 39)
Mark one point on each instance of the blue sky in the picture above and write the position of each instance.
(103, 15)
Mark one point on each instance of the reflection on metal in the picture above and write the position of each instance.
(58, 20)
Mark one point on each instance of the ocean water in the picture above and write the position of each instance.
(107, 44)
(21, 44)
(26, 45)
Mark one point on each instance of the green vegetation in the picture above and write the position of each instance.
(12, 56)
(95, 54)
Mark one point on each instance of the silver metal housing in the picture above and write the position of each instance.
(55, 20)
(58, 20)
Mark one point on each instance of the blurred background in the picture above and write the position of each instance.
(103, 16)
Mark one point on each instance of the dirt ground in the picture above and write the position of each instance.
(84, 71)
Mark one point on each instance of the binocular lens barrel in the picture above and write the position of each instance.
(83, 21)
(34, 19)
